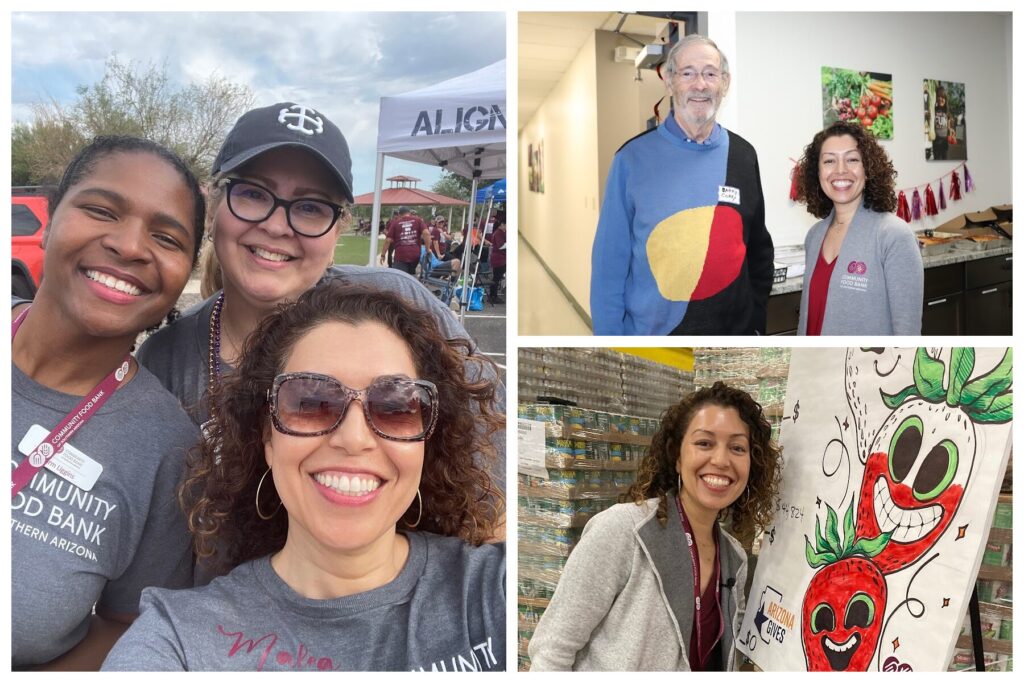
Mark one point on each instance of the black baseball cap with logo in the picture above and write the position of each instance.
(287, 124)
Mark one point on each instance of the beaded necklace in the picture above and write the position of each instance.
(214, 347)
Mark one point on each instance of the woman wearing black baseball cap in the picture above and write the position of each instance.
(278, 198)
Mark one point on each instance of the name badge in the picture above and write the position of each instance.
(70, 463)
(728, 194)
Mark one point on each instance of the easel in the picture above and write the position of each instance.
(975, 612)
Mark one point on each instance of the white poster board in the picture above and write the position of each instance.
(893, 462)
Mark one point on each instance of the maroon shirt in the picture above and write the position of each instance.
(710, 622)
(435, 235)
(497, 254)
(404, 232)
(817, 294)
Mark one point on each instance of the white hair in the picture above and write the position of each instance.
(687, 41)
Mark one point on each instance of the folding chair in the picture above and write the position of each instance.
(439, 280)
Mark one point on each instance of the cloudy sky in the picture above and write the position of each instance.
(338, 62)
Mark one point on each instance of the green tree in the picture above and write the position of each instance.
(21, 135)
(451, 185)
(131, 99)
(43, 147)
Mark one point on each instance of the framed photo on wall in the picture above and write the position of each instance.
(945, 121)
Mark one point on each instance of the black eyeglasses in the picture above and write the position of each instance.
(311, 404)
(253, 203)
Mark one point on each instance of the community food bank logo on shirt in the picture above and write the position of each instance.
(54, 511)
(855, 277)
(479, 657)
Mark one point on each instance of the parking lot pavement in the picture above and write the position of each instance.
(487, 327)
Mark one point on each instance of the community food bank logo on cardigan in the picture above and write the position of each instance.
(857, 267)
(855, 278)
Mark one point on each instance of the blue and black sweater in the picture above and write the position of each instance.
(681, 244)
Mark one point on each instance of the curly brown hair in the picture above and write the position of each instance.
(657, 476)
(879, 173)
(459, 497)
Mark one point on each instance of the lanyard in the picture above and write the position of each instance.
(72, 422)
(691, 545)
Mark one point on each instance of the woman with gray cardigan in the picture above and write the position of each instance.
(864, 274)
(655, 583)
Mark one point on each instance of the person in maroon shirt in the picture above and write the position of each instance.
(438, 236)
(498, 255)
(407, 232)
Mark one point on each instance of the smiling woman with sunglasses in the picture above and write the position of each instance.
(281, 184)
(342, 491)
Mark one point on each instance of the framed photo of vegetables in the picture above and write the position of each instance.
(945, 123)
(863, 97)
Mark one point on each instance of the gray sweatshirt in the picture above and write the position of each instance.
(625, 599)
(877, 286)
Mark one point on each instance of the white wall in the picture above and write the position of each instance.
(594, 109)
(778, 98)
(567, 124)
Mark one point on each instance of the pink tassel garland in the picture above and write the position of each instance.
(954, 187)
(902, 210)
(915, 206)
(942, 196)
(968, 182)
(793, 184)
(929, 201)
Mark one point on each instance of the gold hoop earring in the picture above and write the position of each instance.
(258, 511)
(420, 515)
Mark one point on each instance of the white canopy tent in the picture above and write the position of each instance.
(458, 124)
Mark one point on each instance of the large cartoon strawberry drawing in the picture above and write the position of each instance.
(922, 457)
(844, 605)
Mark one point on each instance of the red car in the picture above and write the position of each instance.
(29, 215)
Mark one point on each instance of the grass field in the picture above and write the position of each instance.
(352, 249)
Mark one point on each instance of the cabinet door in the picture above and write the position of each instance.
(985, 272)
(943, 280)
(783, 313)
(989, 309)
(943, 315)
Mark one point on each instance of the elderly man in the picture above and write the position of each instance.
(681, 244)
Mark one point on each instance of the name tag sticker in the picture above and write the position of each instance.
(70, 463)
(728, 194)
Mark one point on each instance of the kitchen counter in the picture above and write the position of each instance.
(796, 284)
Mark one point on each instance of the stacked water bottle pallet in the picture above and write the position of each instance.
(601, 379)
(761, 372)
(590, 458)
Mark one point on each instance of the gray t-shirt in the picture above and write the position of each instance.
(445, 611)
(72, 548)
